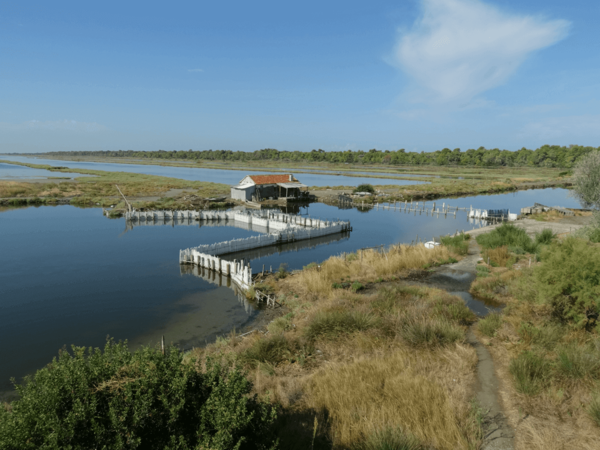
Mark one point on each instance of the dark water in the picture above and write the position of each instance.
(231, 177)
(13, 172)
(71, 276)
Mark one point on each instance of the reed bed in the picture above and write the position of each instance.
(349, 370)
(367, 265)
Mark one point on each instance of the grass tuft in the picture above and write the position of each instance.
(490, 324)
(531, 372)
(332, 324)
(390, 439)
(419, 332)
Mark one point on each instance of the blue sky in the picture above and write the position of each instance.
(336, 75)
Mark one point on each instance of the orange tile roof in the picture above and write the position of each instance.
(271, 179)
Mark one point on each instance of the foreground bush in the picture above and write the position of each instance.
(569, 279)
(115, 399)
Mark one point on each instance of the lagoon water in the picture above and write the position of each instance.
(72, 276)
(12, 172)
(231, 177)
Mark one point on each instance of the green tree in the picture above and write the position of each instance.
(586, 180)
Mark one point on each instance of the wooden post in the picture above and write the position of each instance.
(162, 345)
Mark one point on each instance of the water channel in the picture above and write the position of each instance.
(71, 276)
(213, 175)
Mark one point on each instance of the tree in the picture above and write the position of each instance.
(586, 180)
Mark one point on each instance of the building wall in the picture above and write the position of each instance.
(242, 194)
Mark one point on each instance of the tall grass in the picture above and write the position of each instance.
(459, 244)
(578, 361)
(271, 350)
(390, 439)
(384, 394)
(332, 324)
(507, 234)
(594, 409)
(421, 331)
(369, 265)
(531, 372)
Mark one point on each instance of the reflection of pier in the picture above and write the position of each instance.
(217, 279)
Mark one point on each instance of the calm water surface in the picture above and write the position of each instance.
(71, 276)
(213, 175)
(12, 172)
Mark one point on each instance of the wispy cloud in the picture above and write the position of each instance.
(458, 49)
(195, 70)
(53, 125)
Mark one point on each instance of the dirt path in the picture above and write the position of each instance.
(457, 279)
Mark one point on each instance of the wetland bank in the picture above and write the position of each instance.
(91, 276)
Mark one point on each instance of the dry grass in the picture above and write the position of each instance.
(365, 266)
(498, 255)
(386, 392)
(364, 364)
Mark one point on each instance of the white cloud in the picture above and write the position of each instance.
(460, 48)
(195, 70)
(53, 125)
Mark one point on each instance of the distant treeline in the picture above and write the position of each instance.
(545, 156)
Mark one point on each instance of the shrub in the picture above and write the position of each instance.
(364, 188)
(356, 286)
(569, 279)
(332, 324)
(545, 237)
(458, 244)
(507, 235)
(390, 439)
(115, 399)
(531, 372)
(430, 332)
(490, 324)
(282, 271)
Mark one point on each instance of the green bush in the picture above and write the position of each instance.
(545, 237)
(531, 372)
(115, 399)
(356, 286)
(334, 323)
(507, 235)
(364, 188)
(569, 279)
(459, 244)
(390, 439)
(490, 324)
